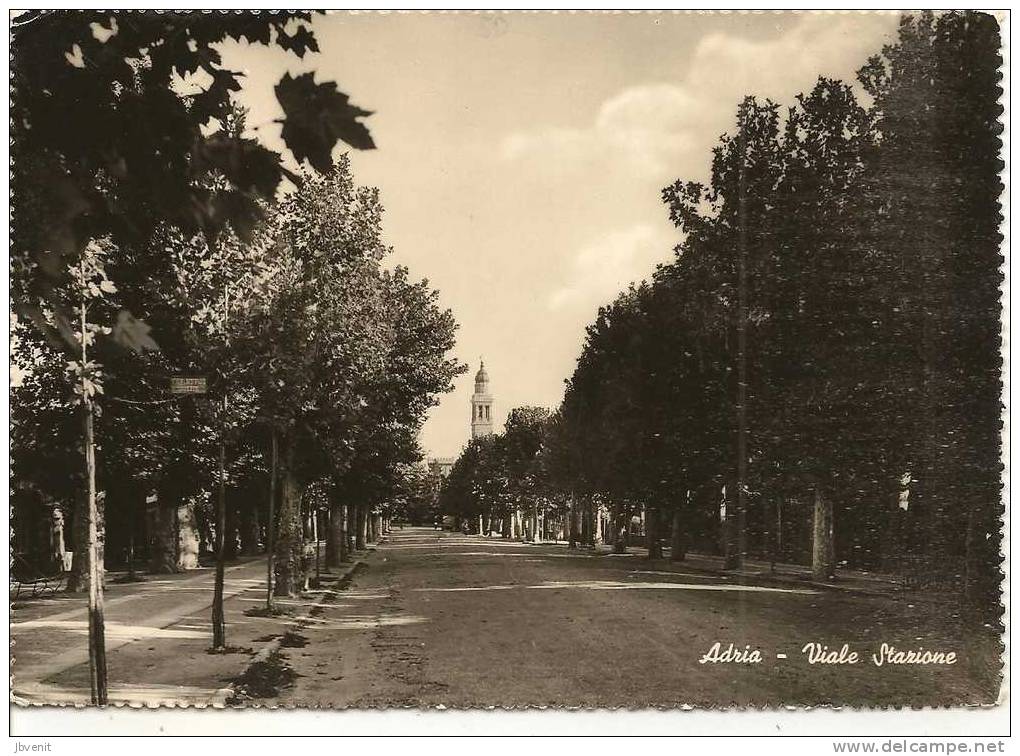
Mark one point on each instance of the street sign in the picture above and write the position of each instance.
(181, 384)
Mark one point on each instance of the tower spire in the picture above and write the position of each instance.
(481, 403)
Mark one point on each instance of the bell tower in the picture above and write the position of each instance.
(481, 405)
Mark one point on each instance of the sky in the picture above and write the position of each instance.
(521, 156)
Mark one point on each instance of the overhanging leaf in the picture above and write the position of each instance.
(316, 116)
(133, 333)
(299, 42)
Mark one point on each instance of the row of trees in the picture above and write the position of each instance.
(498, 483)
(310, 347)
(153, 240)
(816, 377)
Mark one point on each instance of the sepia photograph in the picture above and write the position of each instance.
(378, 360)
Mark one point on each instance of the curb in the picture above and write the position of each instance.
(219, 699)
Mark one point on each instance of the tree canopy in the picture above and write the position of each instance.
(151, 103)
(825, 344)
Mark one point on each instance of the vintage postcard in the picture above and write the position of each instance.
(597, 360)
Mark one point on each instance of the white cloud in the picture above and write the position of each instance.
(643, 128)
(822, 44)
(666, 130)
(605, 267)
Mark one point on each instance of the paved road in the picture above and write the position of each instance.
(444, 619)
(164, 615)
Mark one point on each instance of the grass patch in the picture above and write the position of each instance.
(344, 583)
(120, 580)
(293, 640)
(263, 679)
(261, 611)
(231, 650)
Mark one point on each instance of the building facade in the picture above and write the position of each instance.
(440, 467)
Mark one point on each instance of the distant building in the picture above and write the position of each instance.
(440, 466)
(481, 422)
(481, 405)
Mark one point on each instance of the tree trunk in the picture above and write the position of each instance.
(583, 525)
(95, 537)
(733, 526)
(274, 459)
(289, 577)
(233, 526)
(823, 557)
(78, 579)
(591, 517)
(572, 521)
(307, 524)
(678, 543)
(345, 533)
(653, 535)
(250, 530)
(982, 580)
(360, 527)
(335, 536)
(773, 522)
(136, 501)
(776, 534)
(163, 559)
(316, 527)
(619, 529)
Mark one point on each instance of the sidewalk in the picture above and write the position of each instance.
(851, 581)
(158, 637)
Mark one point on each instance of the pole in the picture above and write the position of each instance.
(271, 527)
(736, 560)
(97, 623)
(219, 626)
